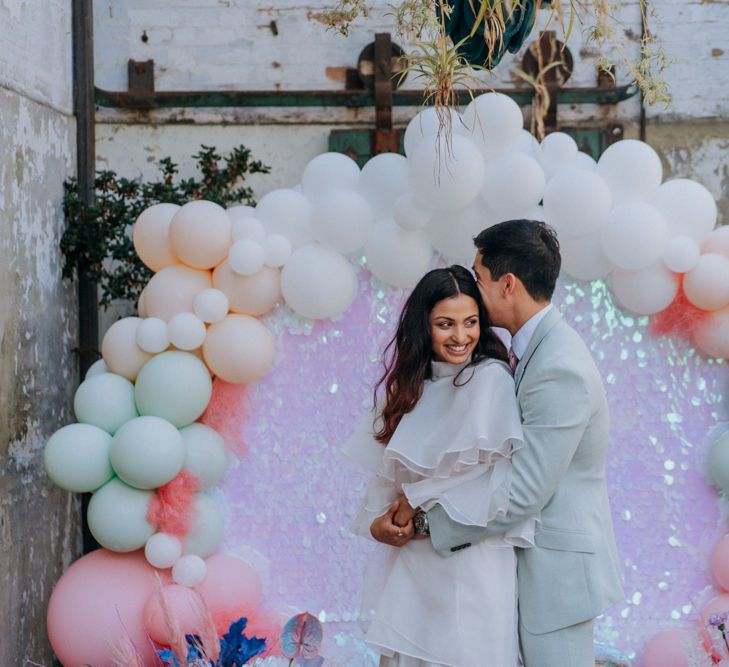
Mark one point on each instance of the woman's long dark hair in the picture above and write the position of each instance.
(408, 355)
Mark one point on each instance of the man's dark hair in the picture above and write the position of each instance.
(526, 248)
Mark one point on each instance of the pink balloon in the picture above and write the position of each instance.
(185, 606)
(231, 588)
(97, 603)
(267, 625)
(668, 649)
(720, 563)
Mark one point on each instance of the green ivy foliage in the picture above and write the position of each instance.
(97, 241)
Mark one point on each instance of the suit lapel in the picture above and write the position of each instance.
(544, 327)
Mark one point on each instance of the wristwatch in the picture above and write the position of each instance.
(420, 523)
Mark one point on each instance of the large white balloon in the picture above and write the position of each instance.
(577, 202)
(513, 185)
(634, 236)
(246, 257)
(277, 250)
(447, 175)
(408, 214)
(425, 125)
(632, 170)
(585, 161)
(384, 178)
(681, 254)
(452, 232)
(707, 284)
(557, 152)
(152, 335)
(318, 283)
(717, 242)
(646, 291)
(712, 334)
(525, 143)
(248, 228)
(342, 220)
(583, 257)
(493, 121)
(287, 212)
(396, 256)
(328, 172)
(688, 207)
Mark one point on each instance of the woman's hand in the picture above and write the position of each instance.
(405, 512)
(384, 530)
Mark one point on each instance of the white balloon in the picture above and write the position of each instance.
(152, 335)
(717, 242)
(384, 178)
(632, 170)
(248, 228)
(240, 212)
(327, 172)
(408, 214)
(162, 550)
(206, 531)
(526, 143)
(646, 291)
(707, 284)
(577, 202)
(712, 334)
(425, 125)
(318, 283)
(585, 161)
(537, 214)
(688, 207)
(557, 152)
(189, 570)
(97, 368)
(186, 331)
(452, 232)
(583, 257)
(286, 212)
(493, 121)
(276, 250)
(513, 185)
(447, 176)
(342, 220)
(634, 236)
(396, 256)
(211, 305)
(681, 254)
(246, 257)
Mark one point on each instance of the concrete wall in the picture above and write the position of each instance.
(39, 527)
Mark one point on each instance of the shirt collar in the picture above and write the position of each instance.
(521, 339)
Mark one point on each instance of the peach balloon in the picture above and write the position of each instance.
(231, 589)
(717, 242)
(173, 290)
(668, 649)
(712, 334)
(239, 349)
(249, 295)
(120, 351)
(99, 602)
(186, 607)
(141, 305)
(151, 236)
(201, 234)
(267, 625)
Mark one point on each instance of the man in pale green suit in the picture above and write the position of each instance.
(572, 574)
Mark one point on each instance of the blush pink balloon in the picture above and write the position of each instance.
(267, 625)
(720, 563)
(668, 649)
(184, 604)
(717, 605)
(231, 589)
(173, 290)
(98, 603)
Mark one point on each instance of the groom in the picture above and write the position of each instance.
(572, 574)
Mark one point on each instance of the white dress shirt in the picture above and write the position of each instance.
(522, 338)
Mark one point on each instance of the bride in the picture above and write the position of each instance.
(443, 431)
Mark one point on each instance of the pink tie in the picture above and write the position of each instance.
(513, 361)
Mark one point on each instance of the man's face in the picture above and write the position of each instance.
(491, 291)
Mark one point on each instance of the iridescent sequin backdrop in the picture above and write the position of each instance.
(289, 498)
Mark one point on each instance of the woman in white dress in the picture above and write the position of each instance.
(443, 432)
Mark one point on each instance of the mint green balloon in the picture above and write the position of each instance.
(719, 462)
(206, 532)
(117, 516)
(206, 456)
(77, 458)
(105, 400)
(175, 386)
(96, 368)
(147, 452)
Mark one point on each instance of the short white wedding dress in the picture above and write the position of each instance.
(419, 608)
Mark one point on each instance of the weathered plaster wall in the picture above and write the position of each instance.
(39, 528)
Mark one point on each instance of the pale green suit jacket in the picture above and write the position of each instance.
(572, 574)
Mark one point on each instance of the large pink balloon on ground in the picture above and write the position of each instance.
(231, 588)
(185, 605)
(668, 649)
(97, 603)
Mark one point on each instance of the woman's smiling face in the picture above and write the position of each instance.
(454, 329)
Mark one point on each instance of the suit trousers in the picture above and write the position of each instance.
(567, 647)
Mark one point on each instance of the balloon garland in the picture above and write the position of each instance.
(140, 446)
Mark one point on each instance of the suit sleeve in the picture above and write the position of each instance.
(555, 412)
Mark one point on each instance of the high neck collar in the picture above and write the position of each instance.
(442, 369)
